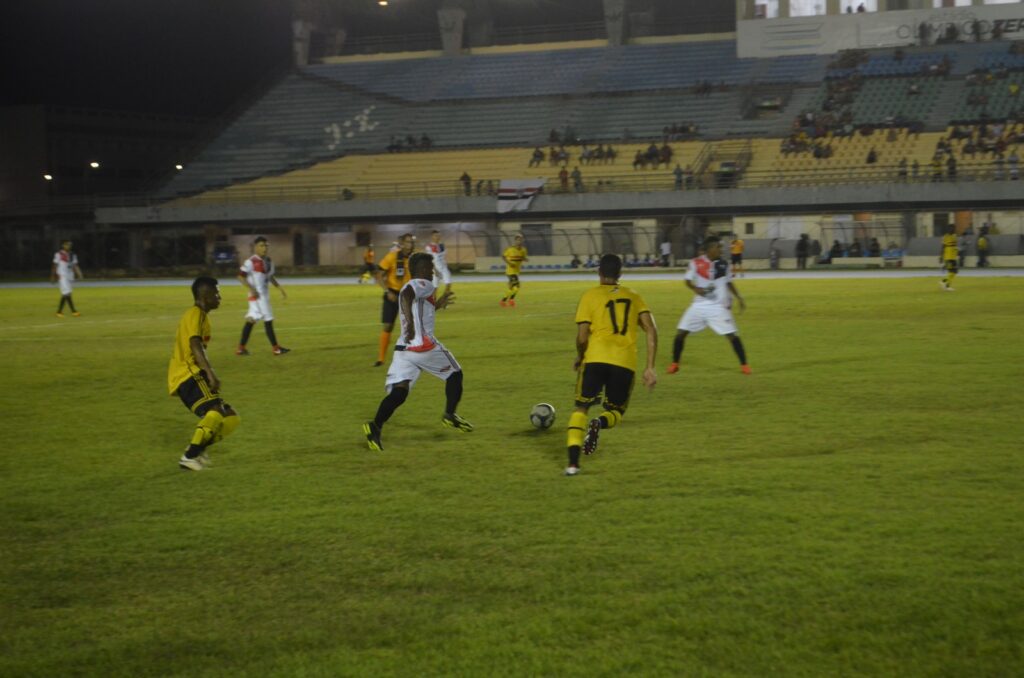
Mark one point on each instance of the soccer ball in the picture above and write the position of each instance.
(542, 415)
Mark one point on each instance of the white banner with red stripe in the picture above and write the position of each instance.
(515, 195)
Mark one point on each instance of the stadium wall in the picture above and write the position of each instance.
(833, 33)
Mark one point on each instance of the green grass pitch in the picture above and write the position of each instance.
(852, 508)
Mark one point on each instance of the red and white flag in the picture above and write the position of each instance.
(515, 195)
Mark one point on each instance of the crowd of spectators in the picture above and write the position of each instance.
(680, 132)
(653, 156)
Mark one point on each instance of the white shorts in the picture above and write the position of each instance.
(259, 309)
(699, 316)
(407, 365)
(65, 286)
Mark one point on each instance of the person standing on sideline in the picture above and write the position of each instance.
(950, 256)
(64, 270)
(665, 248)
(256, 275)
(982, 246)
(803, 248)
(191, 377)
(606, 356)
(392, 273)
(417, 351)
(514, 256)
(710, 279)
(435, 248)
(736, 252)
(369, 265)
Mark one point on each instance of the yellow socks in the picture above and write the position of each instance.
(207, 428)
(609, 418)
(577, 429)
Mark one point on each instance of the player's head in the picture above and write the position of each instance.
(406, 242)
(518, 239)
(260, 245)
(610, 267)
(66, 245)
(712, 247)
(951, 228)
(435, 235)
(205, 292)
(421, 265)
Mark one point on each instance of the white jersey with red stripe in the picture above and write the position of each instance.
(258, 271)
(66, 262)
(713, 276)
(441, 272)
(421, 315)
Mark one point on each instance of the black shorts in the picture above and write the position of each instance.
(389, 309)
(197, 395)
(737, 259)
(616, 383)
(950, 265)
(513, 280)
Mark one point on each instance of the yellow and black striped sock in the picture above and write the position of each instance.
(609, 418)
(577, 429)
(206, 430)
(514, 291)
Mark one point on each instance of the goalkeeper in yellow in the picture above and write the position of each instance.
(514, 257)
(606, 320)
(950, 258)
(191, 377)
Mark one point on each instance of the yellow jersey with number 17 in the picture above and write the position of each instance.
(195, 323)
(613, 312)
(949, 248)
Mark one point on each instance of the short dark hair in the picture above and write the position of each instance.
(434, 231)
(201, 283)
(711, 240)
(610, 266)
(258, 240)
(406, 235)
(418, 260)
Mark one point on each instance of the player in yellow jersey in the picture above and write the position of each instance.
(514, 257)
(950, 255)
(736, 252)
(606, 320)
(191, 377)
(369, 265)
(392, 273)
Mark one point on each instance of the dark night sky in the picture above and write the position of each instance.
(171, 56)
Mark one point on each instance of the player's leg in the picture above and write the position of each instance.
(951, 271)
(71, 304)
(388, 313)
(589, 383)
(721, 321)
(402, 374)
(443, 365)
(677, 350)
(246, 333)
(513, 289)
(693, 320)
(267, 315)
(618, 387)
(205, 403)
(60, 308)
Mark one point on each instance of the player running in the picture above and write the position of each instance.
(64, 270)
(256, 275)
(418, 350)
(736, 252)
(606, 356)
(435, 248)
(392, 273)
(191, 377)
(950, 256)
(514, 257)
(710, 279)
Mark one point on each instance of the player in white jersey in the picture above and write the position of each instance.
(418, 350)
(64, 270)
(435, 248)
(710, 278)
(256, 275)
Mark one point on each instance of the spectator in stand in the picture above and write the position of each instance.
(901, 169)
(856, 250)
(951, 168)
(426, 143)
(490, 188)
(563, 179)
(467, 183)
(577, 179)
(999, 163)
(678, 173)
(688, 180)
(872, 156)
(666, 252)
(575, 263)
(803, 249)
(915, 169)
(837, 251)
(591, 262)
(874, 248)
(1014, 163)
(610, 154)
(638, 160)
(937, 168)
(537, 158)
(665, 154)
(849, 9)
(861, 8)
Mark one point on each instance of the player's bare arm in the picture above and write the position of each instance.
(199, 353)
(647, 325)
(697, 290)
(582, 341)
(405, 305)
(278, 285)
(445, 299)
(736, 293)
(53, 273)
(245, 283)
